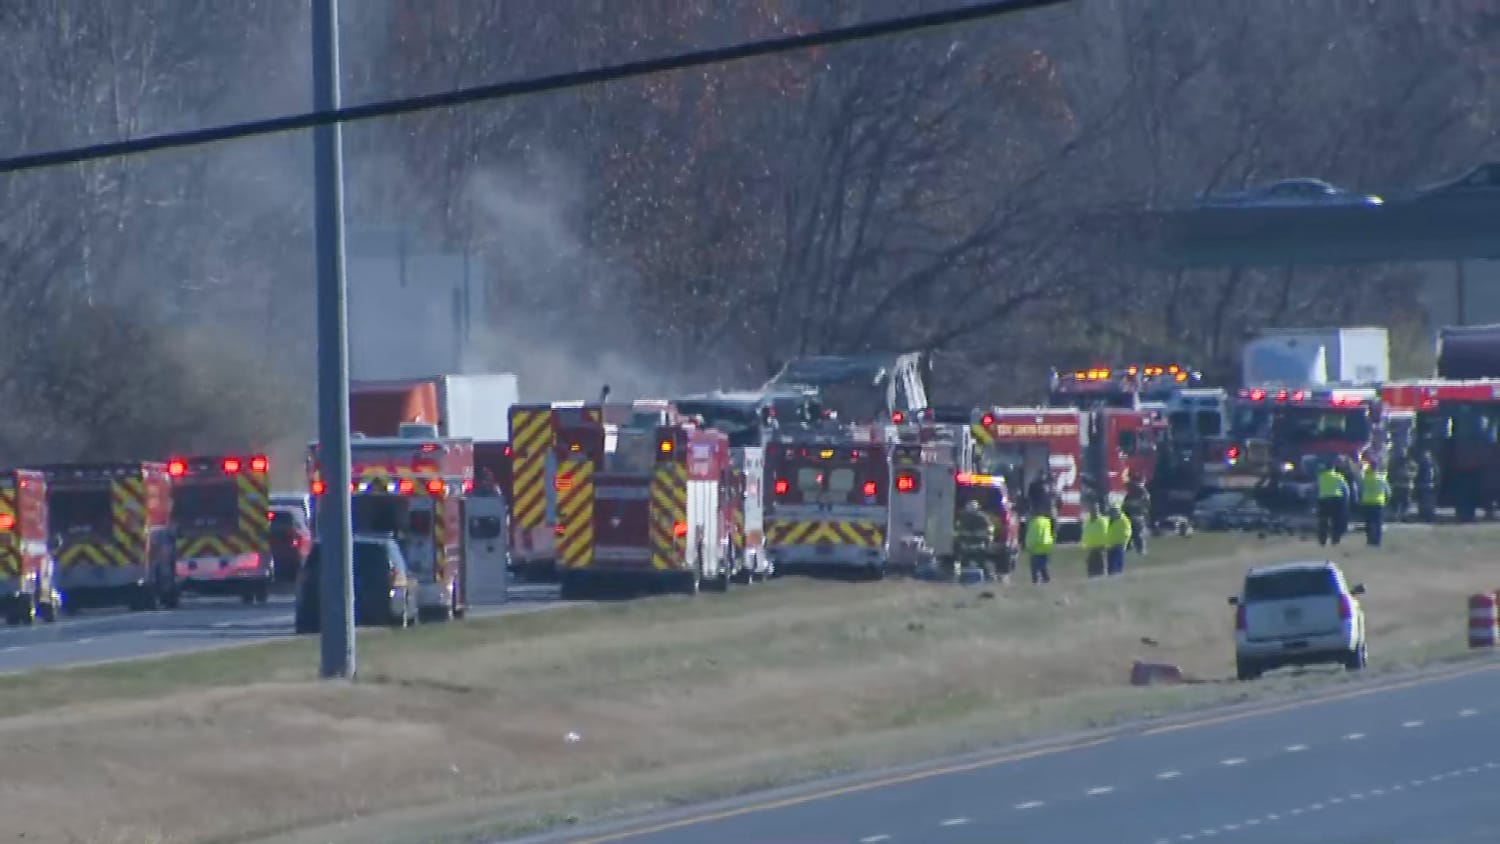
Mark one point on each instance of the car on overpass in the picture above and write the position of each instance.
(1291, 193)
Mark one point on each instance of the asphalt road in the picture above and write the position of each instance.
(1412, 763)
(199, 624)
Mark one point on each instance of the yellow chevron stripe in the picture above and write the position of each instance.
(575, 513)
(668, 507)
(529, 490)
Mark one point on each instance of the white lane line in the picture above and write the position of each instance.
(1273, 817)
(1295, 812)
(874, 839)
(1295, 748)
(1354, 737)
(1252, 822)
(1467, 713)
(1334, 801)
(1316, 807)
(222, 625)
(1208, 833)
(1410, 724)
(1230, 827)
(1417, 783)
(84, 641)
(10, 649)
(1232, 762)
(1186, 836)
(1473, 769)
(954, 822)
(1098, 790)
(1397, 787)
(1356, 795)
(1169, 775)
(1030, 804)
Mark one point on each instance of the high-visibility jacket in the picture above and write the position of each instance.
(1039, 538)
(1373, 488)
(1331, 484)
(1096, 533)
(1119, 530)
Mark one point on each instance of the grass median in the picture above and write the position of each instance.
(495, 725)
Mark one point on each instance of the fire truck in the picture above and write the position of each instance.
(1087, 455)
(220, 524)
(1119, 386)
(413, 489)
(28, 582)
(112, 524)
(1311, 426)
(1459, 423)
(829, 502)
(647, 501)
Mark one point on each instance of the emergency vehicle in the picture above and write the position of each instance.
(112, 524)
(1311, 426)
(647, 501)
(1119, 386)
(413, 489)
(540, 435)
(221, 525)
(828, 506)
(28, 582)
(928, 463)
(1459, 423)
(1085, 454)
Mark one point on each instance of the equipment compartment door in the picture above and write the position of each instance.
(485, 553)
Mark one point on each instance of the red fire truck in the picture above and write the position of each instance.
(540, 435)
(829, 501)
(222, 532)
(1085, 454)
(1459, 423)
(1311, 426)
(1119, 386)
(413, 489)
(28, 586)
(646, 502)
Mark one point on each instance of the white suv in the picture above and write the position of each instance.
(1297, 614)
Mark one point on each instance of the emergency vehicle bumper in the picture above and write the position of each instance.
(87, 577)
(238, 575)
(433, 596)
(17, 586)
(830, 556)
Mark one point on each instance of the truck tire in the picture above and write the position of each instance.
(720, 583)
(48, 611)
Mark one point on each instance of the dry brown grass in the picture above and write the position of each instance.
(462, 728)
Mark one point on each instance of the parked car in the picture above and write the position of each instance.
(384, 592)
(1291, 193)
(290, 540)
(1302, 613)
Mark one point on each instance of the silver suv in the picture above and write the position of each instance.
(1298, 614)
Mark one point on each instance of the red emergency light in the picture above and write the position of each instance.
(509, 451)
(871, 488)
(781, 486)
(177, 468)
(988, 420)
(231, 465)
(679, 529)
(563, 483)
(906, 483)
(1233, 452)
(318, 487)
(434, 487)
(897, 417)
(7, 522)
(405, 486)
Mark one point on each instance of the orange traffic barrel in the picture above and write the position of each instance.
(1484, 620)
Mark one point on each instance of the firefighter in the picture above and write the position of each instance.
(1373, 492)
(973, 536)
(1426, 486)
(1138, 510)
(1095, 540)
(1333, 494)
(1039, 496)
(1403, 472)
(1119, 533)
(1040, 539)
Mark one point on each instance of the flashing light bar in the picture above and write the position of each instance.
(973, 479)
(179, 467)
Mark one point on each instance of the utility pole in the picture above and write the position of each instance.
(336, 587)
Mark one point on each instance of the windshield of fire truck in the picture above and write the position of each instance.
(634, 452)
(1191, 424)
(79, 512)
(205, 505)
(1471, 423)
(1252, 421)
(1103, 396)
(1295, 425)
(380, 514)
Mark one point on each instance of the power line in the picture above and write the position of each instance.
(534, 85)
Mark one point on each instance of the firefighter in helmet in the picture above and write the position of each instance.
(973, 538)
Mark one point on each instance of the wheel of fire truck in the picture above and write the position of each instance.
(20, 611)
(172, 598)
(47, 612)
(573, 586)
(145, 598)
(262, 593)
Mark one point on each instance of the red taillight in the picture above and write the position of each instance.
(231, 465)
(1239, 617)
(871, 488)
(1233, 452)
(782, 487)
(1346, 608)
(177, 468)
(434, 487)
(563, 483)
(898, 417)
(7, 521)
(259, 464)
(679, 529)
(988, 420)
(405, 486)
(905, 483)
(318, 487)
(558, 530)
(509, 451)
(468, 485)
(270, 515)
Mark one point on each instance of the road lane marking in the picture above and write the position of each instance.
(10, 649)
(954, 822)
(84, 641)
(874, 839)
(1252, 822)
(1098, 790)
(856, 788)
(1030, 804)
(1230, 827)
(1467, 713)
(1169, 775)
(1295, 748)
(1354, 737)
(1273, 817)
(1410, 724)
(1237, 760)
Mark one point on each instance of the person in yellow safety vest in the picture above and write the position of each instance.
(1373, 491)
(1119, 538)
(1040, 540)
(1095, 540)
(1333, 494)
